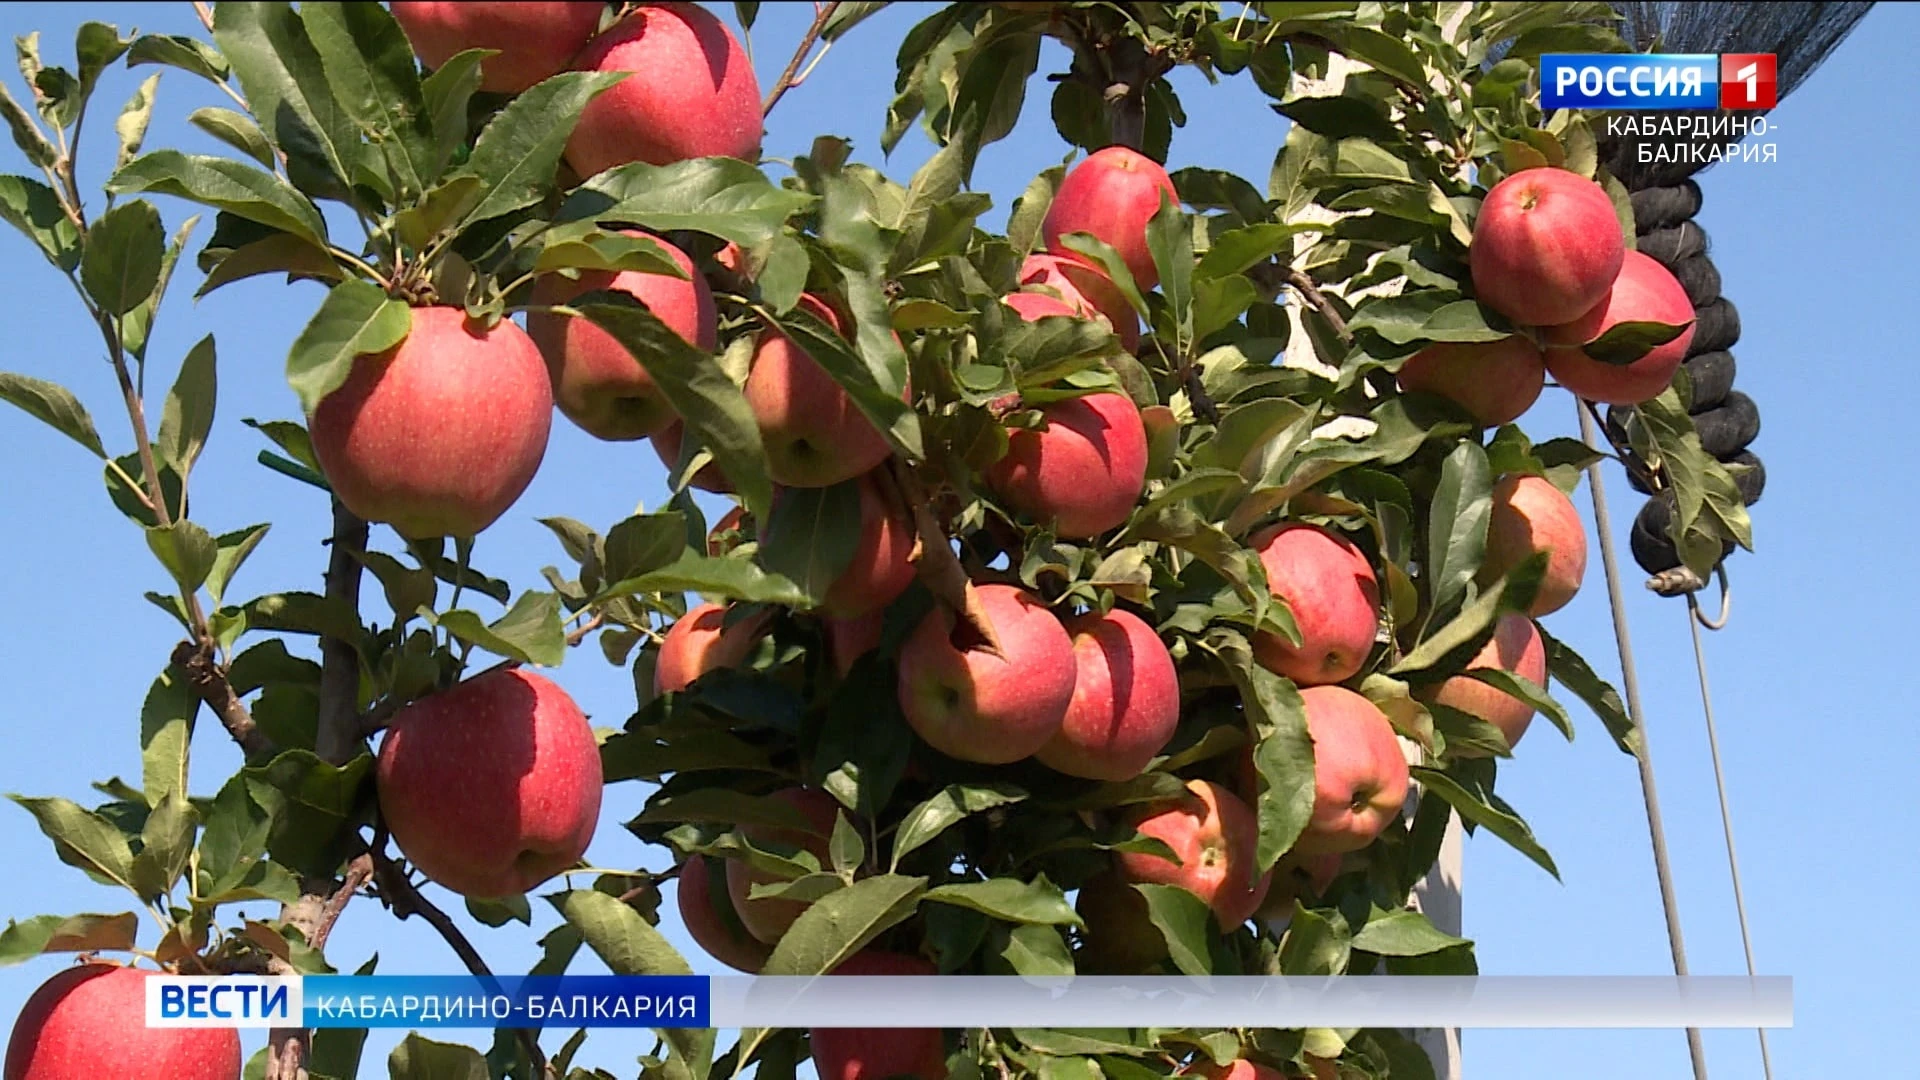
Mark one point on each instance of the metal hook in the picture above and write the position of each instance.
(1726, 602)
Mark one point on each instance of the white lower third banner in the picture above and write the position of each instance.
(1086, 1001)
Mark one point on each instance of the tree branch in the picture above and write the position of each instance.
(208, 680)
(938, 566)
(787, 79)
(1311, 294)
(404, 900)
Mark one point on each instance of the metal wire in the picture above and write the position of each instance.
(1695, 620)
(1630, 680)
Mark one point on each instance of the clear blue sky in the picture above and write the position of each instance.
(1817, 252)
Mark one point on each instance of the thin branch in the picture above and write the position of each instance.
(400, 896)
(580, 632)
(359, 872)
(208, 680)
(936, 562)
(205, 11)
(788, 80)
(338, 739)
(1311, 294)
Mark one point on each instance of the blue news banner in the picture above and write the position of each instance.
(429, 1001)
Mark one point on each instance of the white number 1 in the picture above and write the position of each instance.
(1751, 76)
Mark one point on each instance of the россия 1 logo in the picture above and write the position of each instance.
(1657, 81)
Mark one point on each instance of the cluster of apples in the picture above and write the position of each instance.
(1548, 253)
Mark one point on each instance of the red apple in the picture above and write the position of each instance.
(666, 443)
(1335, 598)
(767, 918)
(814, 434)
(1495, 382)
(692, 92)
(1645, 291)
(1089, 291)
(534, 41)
(1214, 834)
(711, 920)
(1081, 471)
(440, 434)
(597, 383)
(89, 1023)
(492, 787)
(1546, 246)
(700, 641)
(1530, 514)
(881, 568)
(1126, 699)
(1516, 647)
(1120, 938)
(1359, 773)
(879, 1053)
(968, 703)
(1113, 194)
(1034, 306)
(1233, 1070)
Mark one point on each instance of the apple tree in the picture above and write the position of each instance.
(1144, 589)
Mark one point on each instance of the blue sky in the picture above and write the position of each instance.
(1816, 724)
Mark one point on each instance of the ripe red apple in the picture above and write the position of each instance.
(440, 434)
(1126, 699)
(712, 921)
(1495, 382)
(1546, 246)
(881, 568)
(666, 443)
(492, 787)
(1515, 646)
(1214, 834)
(1082, 471)
(89, 1023)
(1359, 773)
(1530, 514)
(535, 41)
(1034, 306)
(1298, 877)
(1645, 291)
(968, 703)
(879, 1053)
(850, 639)
(1113, 194)
(1334, 596)
(768, 917)
(597, 383)
(699, 642)
(815, 436)
(1089, 291)
(1120, 938)
(692, 92)
(1233, 1070)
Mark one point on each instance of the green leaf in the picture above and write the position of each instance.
(82, 839)
(1454, 643)
(1029, 949)
(1170, 240)
(1315, 944)
(95, 45)
(187, 417)
(281, 253)
(223, 184)
(530, 631)
(954, 802)
(166, 844)
(54, 405)
(232, 845)
(187, 551)
(423, 1059)
(871, 381)
(285, 85)
(1570, 670)
(609, 251)
(131, 124)
(34, 209)
(67, 933)
(812, 535)
(308, 801)
(1283, 753)
(642, 544)
(1457, 523)
(1482, 807)
(1522, 689)
(371, 72)
(1010, 899)
(720, 196)
(1186, 923)
(236, 130)
(408, 588)
(305, 613)
(1426, 315)
(233, 549)
(444, 96)
(836, 926)
(712, 406)
(1402, 933)
(732, 578)
(629, 945)
(356, 319)
(1625, 342)
(166, 733)
(121, 261)
(845, 849)
(177, 51)
(517, 153)
(499, 911)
